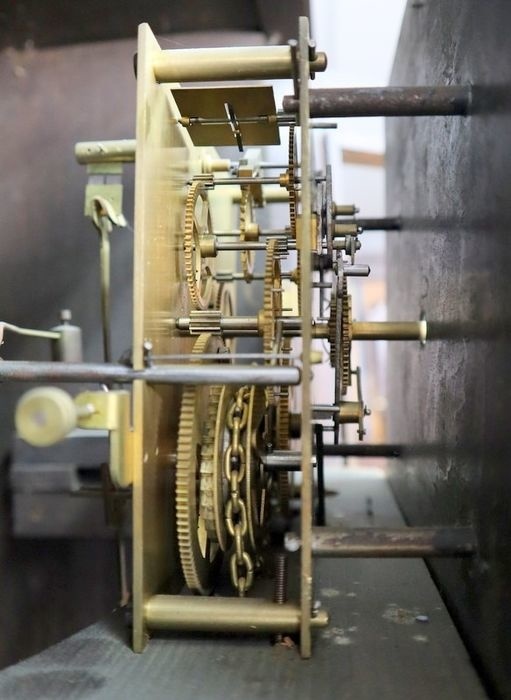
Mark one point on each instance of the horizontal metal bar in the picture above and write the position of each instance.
(224, 615)
(228, 63)
(248, 181)
(16, 371)
(393, 542)
(120, 151)
(349, 450)
(386, 101)
(386, 223)
(389, 330)
(283, 460)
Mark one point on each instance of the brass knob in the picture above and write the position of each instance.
(45, 416)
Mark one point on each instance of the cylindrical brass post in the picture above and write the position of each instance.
(389, 330)
(215, 614)
(228, 63)
(120, 151)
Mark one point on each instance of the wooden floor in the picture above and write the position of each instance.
(376, 646)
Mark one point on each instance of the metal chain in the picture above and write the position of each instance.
(236, 516)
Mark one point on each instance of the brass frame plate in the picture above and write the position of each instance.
(247, 101)
(163, 154)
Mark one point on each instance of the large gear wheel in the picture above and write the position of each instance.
(293, 200)
(200, 554)
(248, 232)
(340, 330)
(213, 485)
(197, 223)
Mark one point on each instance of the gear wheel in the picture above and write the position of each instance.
(272, 295)
(200, 554)
(272, 304)
(247, 232)
(213, 485)
(339, 336)
(291, 176)
(197, 223)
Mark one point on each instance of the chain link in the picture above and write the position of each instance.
(236, 517)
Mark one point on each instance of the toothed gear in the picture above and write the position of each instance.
(197, 223)
(292, 180)
(339, 336)
(200, 555)
(247, 256)
(272, 304)
(291, 173)
(346, 341)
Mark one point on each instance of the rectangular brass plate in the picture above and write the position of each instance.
(208, 102)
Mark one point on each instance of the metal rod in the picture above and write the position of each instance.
(272, 232)
(228, 63)
(243, 245)
(170, 374)
(386, 101)
(389, 330)
(32, 332)
(280, 119)
(388, 223)
(248, 181)
(348, 450)
(356, 270)
(120, 151)
(394, 542)
(216, 614)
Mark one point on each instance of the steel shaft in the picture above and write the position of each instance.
(386, 101)
(213, 373)
(399, 542)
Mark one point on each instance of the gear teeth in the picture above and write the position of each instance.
(342, 363)
(272, 303)
(247, 256)
(208, 466)
(291, 173)
(197, 570)
(199, 298)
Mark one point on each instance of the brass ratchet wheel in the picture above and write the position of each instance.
(197, 223)
(213, 481)
(340, 332)
(199, 544)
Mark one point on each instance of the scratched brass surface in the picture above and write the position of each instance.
(163, 155)
(247, 101)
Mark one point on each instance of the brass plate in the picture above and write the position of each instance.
(208, 103)
(164, 153)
